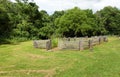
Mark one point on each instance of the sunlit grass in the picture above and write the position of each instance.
(23, 60)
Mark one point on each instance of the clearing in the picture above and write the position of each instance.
(23, 60)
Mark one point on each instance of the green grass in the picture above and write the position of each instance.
(22, 60)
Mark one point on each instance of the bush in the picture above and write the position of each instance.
(54, 42)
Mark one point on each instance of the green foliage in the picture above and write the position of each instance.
(54, 42)
(23, 20)
(76, 22)
(109, 17)
(5, 27)
(47, 29)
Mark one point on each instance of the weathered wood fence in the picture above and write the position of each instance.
(80, 43)
(43, 44)
(71, 43)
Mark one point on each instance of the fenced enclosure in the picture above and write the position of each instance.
(80, 43)
(42, 44)
(71, 43)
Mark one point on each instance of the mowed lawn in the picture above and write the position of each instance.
(23, 60)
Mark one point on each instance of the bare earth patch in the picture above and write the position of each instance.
(49, 73)
(11, 66)
(36, 56)
(55, 49)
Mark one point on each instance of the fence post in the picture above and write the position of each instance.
(81, 45)
(74, 38)
(99, 40)
(90, 45)
(35, 44)
(48, 45)
(105, 39)
(86, 37)
(68, 38)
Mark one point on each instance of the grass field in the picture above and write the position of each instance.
(22, 60)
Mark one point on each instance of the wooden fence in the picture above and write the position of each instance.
(80, 43)
(42, 44)
(71, 43)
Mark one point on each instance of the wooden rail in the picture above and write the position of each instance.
(81, 43)
(42, 44)
(72, 43)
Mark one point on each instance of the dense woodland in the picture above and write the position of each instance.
(23, 21)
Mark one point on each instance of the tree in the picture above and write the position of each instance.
(25, 19)
(75, 22)
(47, 29)
(54, 18)
(109, 18)
(5, 27)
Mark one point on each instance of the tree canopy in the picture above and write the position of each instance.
(23, 20)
